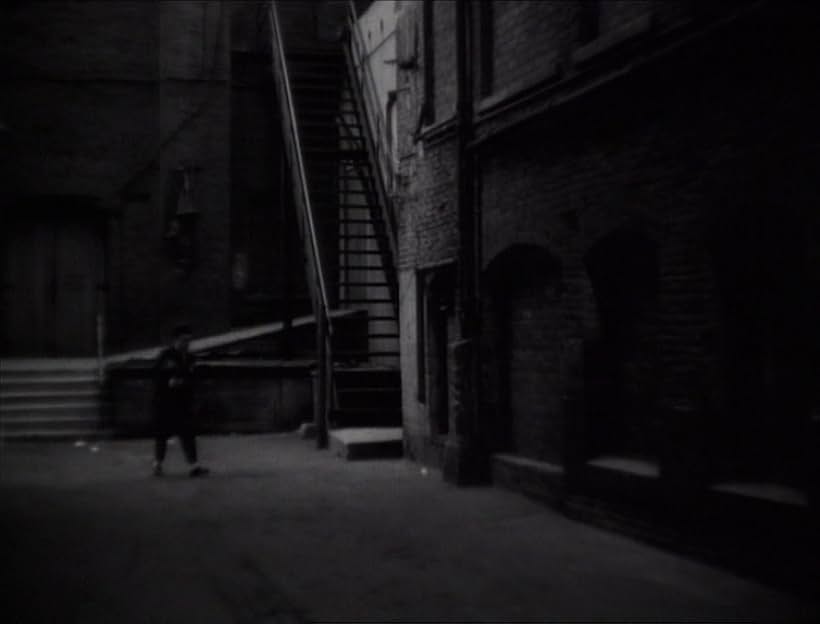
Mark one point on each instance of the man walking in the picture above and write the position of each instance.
(174, 402)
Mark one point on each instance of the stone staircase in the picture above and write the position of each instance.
(50, 399)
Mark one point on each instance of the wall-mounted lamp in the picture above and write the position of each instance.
(181, 220)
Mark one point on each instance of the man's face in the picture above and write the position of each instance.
(182, 342)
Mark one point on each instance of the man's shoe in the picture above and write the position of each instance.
(198, 471)
(158, 470)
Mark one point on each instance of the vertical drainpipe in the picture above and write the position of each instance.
(463, 457)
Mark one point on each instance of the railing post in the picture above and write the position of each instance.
(320, 410)
(100, 337)
(318, 286)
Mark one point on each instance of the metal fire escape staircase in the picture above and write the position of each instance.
(347, 226)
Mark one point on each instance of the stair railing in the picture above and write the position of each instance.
(307, 226)
(363, 86)
(372, 199)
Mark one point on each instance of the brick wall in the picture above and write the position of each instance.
(528, 328)
(723, 127)
(63, 98)
(444, 58)
(108, 100)
(526, 37)
(428, 231)
(662, 158)
(529, 37)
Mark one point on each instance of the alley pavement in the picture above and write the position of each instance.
(283, 533)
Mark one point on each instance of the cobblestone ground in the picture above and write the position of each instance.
(283, 533)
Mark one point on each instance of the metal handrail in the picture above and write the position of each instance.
(375, 134)
(374, 113)
(324, 328)
(290, 119)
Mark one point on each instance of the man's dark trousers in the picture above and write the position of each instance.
(174, 414)
(171, 424)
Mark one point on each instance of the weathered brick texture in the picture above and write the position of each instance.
(666, 198)
(107, 100)
(444, 58)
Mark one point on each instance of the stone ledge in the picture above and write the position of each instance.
(537, 479)
(625, 479)
(611, 41)
(768, 492)
(367, 442)
(631, 465)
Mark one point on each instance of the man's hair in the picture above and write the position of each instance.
(183, 329)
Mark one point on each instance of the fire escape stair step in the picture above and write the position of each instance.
(317, 125)
(371, 284)
(369, 390)
(365, 353)
(361, 221)
(306, 82)
(322, 105)
(330, 153)
(345, 192)
(368, 300)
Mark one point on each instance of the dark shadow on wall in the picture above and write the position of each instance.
(621, 364)
(440, 321)
(521, 376)
(768, 339)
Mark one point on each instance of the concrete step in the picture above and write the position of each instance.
(48, 423)
(56, 434)
(49, 398)
(359, 417)
(367, 442)
(42, 383)
(64, 407)
(37, 396)
(41, 365)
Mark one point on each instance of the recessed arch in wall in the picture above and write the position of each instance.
(621, 372)
(522, 337)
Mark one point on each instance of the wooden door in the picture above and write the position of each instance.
(51, 273)
(76, 278)
(27, 269)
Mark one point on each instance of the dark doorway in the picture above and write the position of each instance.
(52, 273)
(440, 321)
(768, 338)
(525, 326)
(620, 363)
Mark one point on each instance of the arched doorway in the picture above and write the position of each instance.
(53, 272)
(524, 334)
(621, 363)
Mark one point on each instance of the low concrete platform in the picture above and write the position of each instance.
(367, 442)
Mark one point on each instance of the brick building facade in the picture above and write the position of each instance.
(140, 152)
(609, 248)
